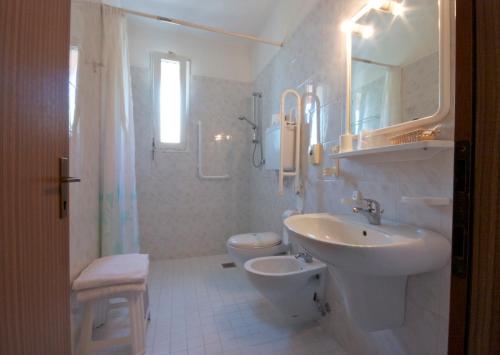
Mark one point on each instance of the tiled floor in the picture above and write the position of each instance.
(199, 308)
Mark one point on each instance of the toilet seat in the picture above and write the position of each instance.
(243, 247)
(254, 240)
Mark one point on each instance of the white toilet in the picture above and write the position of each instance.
(291, 284)
(243, 247)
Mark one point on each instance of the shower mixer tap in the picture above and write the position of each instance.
(254, 136)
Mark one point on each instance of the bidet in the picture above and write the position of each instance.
(293, 286)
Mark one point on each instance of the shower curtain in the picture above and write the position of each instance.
(391, 100)
(118, 198)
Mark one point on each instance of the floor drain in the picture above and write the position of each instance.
(228, 265)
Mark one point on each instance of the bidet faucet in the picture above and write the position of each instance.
(371, 210)
(305, 256)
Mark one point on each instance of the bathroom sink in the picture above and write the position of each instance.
(389, 249)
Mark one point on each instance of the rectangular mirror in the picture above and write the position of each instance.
(398, 65)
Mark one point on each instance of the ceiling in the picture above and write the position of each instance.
(400, 40)
(234, 15)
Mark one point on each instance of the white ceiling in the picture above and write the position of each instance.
(246, 16)
(400, 40)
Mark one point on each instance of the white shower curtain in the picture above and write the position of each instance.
(391, 100)
(119, 225)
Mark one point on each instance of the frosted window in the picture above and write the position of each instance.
(73, 75)
(170, 102)
(171, 93)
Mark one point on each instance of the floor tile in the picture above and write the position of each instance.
(198, 308)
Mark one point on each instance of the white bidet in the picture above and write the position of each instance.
(292, 285)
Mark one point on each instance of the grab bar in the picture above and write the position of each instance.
(200, 158)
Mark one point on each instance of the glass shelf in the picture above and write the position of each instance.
(401, 152)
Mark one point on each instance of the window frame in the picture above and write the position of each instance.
(156, 58)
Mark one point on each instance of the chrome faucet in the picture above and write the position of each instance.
(370, 209)
(304, 256)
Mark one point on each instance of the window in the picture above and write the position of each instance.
(73, 76)
(171, 89)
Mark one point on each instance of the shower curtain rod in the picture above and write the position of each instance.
(197, 26)
(357, 59)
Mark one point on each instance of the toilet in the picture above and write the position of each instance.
(243, 247)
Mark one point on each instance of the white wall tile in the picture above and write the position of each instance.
(179, 214)
(315, 54)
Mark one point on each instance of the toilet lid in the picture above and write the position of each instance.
(254, 240)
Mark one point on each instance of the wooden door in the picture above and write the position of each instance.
(475, 287)
(34, 252)
(484, 311)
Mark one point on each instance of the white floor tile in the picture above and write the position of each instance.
(198, 308)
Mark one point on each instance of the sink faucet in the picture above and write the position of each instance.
(305, 256)
(370, 209)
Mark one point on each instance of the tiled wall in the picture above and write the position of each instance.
(84, 144)
(420, 87)
(181, 215)
(315, 54)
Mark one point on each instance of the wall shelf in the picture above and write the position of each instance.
(427, 200)
(401, 152)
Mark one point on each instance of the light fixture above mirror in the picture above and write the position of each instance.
(396, 8)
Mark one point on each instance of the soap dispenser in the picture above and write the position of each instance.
(316, 154)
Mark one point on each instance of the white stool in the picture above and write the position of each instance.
(118, 276)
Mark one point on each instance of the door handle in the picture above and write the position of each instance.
(70, 179)
(64, 180)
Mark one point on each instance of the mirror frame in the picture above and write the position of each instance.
(444, 75)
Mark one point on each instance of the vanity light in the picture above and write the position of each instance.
(394, 7)
(346, 26)
(377, 4)
(218, 137)
(397, 8)
(366, 31)
(357, 29)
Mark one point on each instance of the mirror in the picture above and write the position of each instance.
(395, 62)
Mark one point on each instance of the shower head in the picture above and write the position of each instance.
(243, 118)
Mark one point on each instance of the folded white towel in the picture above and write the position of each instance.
(114, 270)
(108, 291)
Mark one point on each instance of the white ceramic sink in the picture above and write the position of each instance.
(371, 263)
(388, 249)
